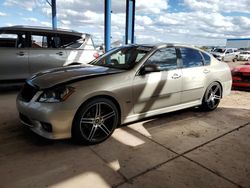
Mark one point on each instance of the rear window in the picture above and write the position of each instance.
(207, 58)
(191, 57)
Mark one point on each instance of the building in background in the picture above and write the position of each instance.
(238, 43)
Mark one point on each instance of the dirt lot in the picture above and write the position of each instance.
(187, 148)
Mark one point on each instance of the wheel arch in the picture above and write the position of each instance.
(212, 83)
(111, 98)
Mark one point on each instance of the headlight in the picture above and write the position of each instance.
(58, 94)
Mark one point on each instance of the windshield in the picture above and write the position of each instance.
(219, 50)
(122, 58)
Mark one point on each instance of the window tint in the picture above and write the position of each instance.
(191, 57)
(229, 51)
(165, 58)
(206, 58)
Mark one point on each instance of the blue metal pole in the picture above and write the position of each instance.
(107, 25)
(54, 19)
(130, 21)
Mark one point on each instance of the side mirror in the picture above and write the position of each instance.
(148, 68)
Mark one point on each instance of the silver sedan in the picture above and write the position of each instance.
(126, 84)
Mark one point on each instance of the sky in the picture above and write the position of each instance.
(194, 22)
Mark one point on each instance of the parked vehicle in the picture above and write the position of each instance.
(241, 76)
(225, 54)
(27, 50)
(244, 56)
(126, 84)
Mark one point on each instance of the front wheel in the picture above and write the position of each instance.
(212, 97)
(95, 121)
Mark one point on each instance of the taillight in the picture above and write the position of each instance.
(96, 55)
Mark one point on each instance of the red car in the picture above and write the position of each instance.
(241, 76)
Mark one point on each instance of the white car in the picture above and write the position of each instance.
(26, 50)
(126, 84)
(244, 56)
(225, 54)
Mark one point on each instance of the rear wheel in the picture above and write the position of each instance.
(95, 121)
(212, 97)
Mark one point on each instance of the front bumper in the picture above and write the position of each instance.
(58, 115)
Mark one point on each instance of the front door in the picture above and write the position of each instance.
(161, 89)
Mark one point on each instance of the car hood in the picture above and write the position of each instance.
(242, 68)
(70, 74)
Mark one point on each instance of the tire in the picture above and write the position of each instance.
(95, 121)
(212, 96)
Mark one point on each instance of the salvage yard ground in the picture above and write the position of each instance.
(187, 148)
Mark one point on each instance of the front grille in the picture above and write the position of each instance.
(28, 92)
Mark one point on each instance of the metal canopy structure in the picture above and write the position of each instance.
(130, 21)
(53, 8)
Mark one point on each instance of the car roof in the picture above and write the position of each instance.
(41, 29)
(162, 45)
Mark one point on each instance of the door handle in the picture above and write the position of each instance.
(206, 71)
(59, 53)
(176, 76)
(20, 53)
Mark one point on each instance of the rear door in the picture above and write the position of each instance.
(45, 52)
(14, 56)
(194, 75)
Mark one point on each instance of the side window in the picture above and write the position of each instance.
(8, 40)
(191, 57)
(206, 58)
(72, 42)
(39, 41)
(165, 58)
(229, 51)
(43, 41)
(13, 40)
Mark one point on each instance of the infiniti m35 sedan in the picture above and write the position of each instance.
(87, 102)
